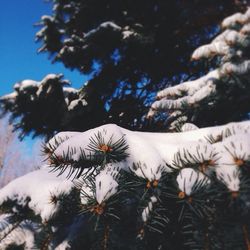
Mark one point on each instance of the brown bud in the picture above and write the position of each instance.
(181, 195)
(234, 194)
(148, 185)
(105, 148)
(155, 183)
(238, 162)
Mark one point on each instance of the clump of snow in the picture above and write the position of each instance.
(22, 235)
(86, 192)
(30, 185)
(147, 210)
(236, 19)
(161, 149)
(188, 127)
(106, 186)
(10, 97)
(34, 90)
(230, 46)
(76, 103)
(69, 90)
(230, 176)
(235, 148)
(198, 152)
(188, 178)
(148, 156)
(104, 25)
(46, 17)
(237, 69)
(63, 246)
(206, 51)
(245, 29)
(25, 85)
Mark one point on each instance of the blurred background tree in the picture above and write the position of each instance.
(128, 49)
(14, 162)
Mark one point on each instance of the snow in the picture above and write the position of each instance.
(86, 192)
(232, 37)
(188, 178)
(237, 69)
(63, 246)
(245, 30)
(231, 45)
(106, 186)
(236, 19)
(51, 77)
(61, 137)
(110, 24)
(235, 147)
(195, 91)
(144, 159)
(30, 186)
(69, 90)
(82, 141)
(24, 234)
(46, 81)
(127, 34)
(146, 211)
(160, 148)
(44, 87)
(78, 102)
(149, 155)
(9, 97)
(188, 127)
(206, 51)
(25, 85)
(230, 176)
(104, 25)
(190, 86)
(197, 152)
(47, 18)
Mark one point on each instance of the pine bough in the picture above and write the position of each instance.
(226, 86)
(112, 188)
(119, 189)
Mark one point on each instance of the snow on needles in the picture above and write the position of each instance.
(148, 155)
(35, 190)
(193, 154)
(51, 83)
(231, 49)
(188, 178)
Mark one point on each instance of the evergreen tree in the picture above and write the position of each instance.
(222, 95)
(129, 50)
(113, 188)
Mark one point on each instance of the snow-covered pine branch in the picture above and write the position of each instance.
(157, 169)
(230, 76)
(53, 98)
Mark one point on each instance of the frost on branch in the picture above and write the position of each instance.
(104, 173)
(220, 88)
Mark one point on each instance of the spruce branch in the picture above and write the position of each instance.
(201, 159)
(98, 153)
(108, 150)
(246, 236)
(9, 225)
(49, 148)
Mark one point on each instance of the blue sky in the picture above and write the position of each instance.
(18, 57)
